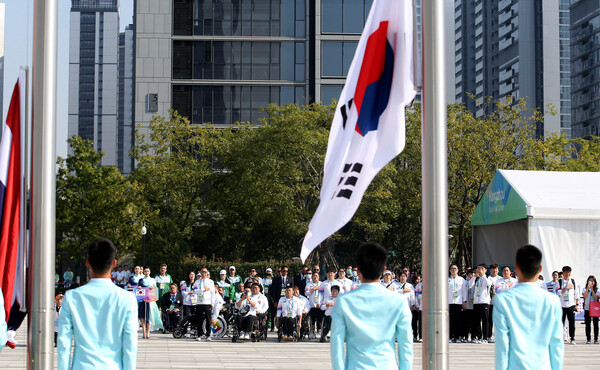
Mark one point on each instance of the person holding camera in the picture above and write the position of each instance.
(251, 303)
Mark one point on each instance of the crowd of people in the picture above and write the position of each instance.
(471, 301)
(312, 294)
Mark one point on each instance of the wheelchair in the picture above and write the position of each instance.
(258, 329)
(295, 330)
(186, 327)
(304, 332)
(165, 321)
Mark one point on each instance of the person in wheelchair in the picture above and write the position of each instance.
(327, 306)
(250, 304)
(172, 306)
(304, 325)
(289, 311)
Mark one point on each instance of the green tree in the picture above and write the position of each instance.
(175, 164)
(271, 185)
(94, 201)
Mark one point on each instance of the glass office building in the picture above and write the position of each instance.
(585, 68)
(223, 61)
(516, 48)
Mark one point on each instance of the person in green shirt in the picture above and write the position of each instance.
(234, 280)
(163, 281)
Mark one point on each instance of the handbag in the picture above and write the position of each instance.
(594, 309)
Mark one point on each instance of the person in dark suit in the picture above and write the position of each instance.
(277, 289)
(300, 279)
(172, 306)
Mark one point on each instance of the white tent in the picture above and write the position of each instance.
(559, 212)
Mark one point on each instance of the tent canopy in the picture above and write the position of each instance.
(515, 195)
(559, 212)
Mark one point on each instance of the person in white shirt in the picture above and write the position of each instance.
(303, 299)
(416, 308)
(327, 284)
(125, 276)
(313, 292)
(388, 283)
(251, 303)
(590, 294)
(288, 308)
(114, 275)
(494, 269)
(569, 300)
(468, 317)
(405, 288)
(327, 306)
(481, 304)
(344, 283)
(500, 284)
(134, 278)
(190, 299)
(205, 289)
(455, 300)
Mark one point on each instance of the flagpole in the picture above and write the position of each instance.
(41, 279)
(435, 198)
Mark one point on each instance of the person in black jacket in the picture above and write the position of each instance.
(277, 289)
(300, 279)
(172, 306)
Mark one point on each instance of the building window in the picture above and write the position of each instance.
(336, 57)
(344, 16)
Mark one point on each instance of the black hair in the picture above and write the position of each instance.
(335, 287)
(173, 284)
(255, 284)
(528, 259)
(331, 269)
(493, 265)
(371, 259)
(101, 254)
(566, 269)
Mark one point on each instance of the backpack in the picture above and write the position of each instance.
(561, 280)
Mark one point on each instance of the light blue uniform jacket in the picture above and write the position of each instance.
(2, 322)
(369, 319)
(528, 327)
(102, 318)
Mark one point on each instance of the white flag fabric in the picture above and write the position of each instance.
(368, 126)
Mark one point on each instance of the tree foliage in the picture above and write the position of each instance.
(248, 193)
(94, 201)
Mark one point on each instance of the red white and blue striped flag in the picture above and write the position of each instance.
(12, 206)
(368, 127)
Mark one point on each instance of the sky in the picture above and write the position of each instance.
(18, 51)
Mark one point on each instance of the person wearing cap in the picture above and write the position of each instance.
(224, 283)
(267, 282)
(234, 280)
(388, 283)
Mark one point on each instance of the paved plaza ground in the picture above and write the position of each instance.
(162, 351)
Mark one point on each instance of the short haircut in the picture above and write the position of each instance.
(284, 267)
(315, 273)
(335, 287)
(255, 285)
(482, 265)
(371, 259)
(529, 259)
(289, 287)
(101, 254)
(295, 287)
(164, 265)
(493, 266)
(331, 269)
(174, 284)
(566, 269)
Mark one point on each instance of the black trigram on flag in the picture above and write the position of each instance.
(349, 180)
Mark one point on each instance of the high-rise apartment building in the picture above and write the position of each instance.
(222, 61)
(516, 48)
(585, 68)
(125, 118)
(99, 109)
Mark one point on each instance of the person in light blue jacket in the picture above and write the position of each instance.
(370, 319)
(100, 317)
(527, 320)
